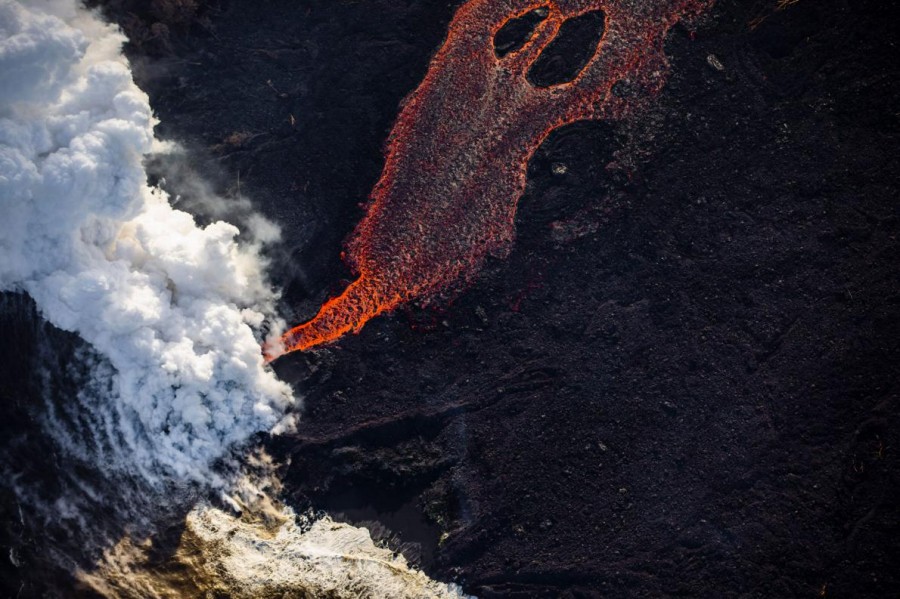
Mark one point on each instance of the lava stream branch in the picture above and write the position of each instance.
(457, 156)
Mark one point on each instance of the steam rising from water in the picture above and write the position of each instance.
(295, 557)
(173, 313)
(172, 306)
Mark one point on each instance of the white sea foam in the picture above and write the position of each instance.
(292, 557)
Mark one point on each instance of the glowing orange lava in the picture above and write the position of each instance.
(457, 155)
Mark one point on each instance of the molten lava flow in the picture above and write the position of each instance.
(457, 156)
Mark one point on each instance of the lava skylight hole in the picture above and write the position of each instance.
(569, 52)
(516, 32)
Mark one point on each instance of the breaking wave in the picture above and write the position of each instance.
(298, 557)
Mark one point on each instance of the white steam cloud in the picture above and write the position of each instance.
(172, 310)
(172, 306)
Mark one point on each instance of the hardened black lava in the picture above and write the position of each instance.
(681, 381)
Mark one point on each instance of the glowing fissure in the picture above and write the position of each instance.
(457, 156)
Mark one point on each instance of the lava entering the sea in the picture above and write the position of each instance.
(457, 156)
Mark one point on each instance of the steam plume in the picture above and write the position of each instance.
(174, 377)
(171, 306)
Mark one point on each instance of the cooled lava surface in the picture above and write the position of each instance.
(680, 381)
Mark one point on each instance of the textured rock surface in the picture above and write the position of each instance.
(682, 381)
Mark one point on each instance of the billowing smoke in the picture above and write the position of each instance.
(171, 307)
